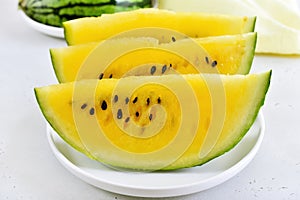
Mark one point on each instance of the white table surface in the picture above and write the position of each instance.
(29, 170)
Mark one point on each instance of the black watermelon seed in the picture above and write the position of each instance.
(159, 100)
(104, 105)
(164, 68)
(206, 59)
(92, 111)
(173, 39)
(135, 100)
(127, 119)
(170, 65)
(116, 98)
(119, 114)
(148, 101)
(214, 63)
(83, 106)
(137, 114)
(126, 100)
(150, 117)
(110, 76)
(101, 76)
(153, 69)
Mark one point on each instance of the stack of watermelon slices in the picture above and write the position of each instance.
(55, 12)
(155, 90)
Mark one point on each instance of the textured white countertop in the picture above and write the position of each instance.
(29, 170)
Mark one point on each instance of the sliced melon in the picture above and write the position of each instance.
(277, 24)
(155, 122)
(91, 29)
(281, 11)
(233, 54)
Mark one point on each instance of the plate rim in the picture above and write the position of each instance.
(161, 191)
(43, 28)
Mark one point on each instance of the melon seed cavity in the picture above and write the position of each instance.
(119, 114)
(150, 117)
(92, 111)
(135, 100)
(148, 101)
(83, 106)
(137, 114)
(214, 63)
(153, 69)
(101, 76)
(164, 68)
(206, 59)
(104, 105)
(116, 98)
(158, 100)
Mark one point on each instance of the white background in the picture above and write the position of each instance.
(28, 169)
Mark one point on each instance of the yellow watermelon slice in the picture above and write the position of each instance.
(233, 54)
(155, 122)
(91, 29)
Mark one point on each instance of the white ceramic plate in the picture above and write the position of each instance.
(45, 29)
(160, 184)
(50, 30)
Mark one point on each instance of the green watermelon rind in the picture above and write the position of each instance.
(56, 4)
(59, 76)
(250, 26)
(247, 59)
(56, 15)
(60, 3)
